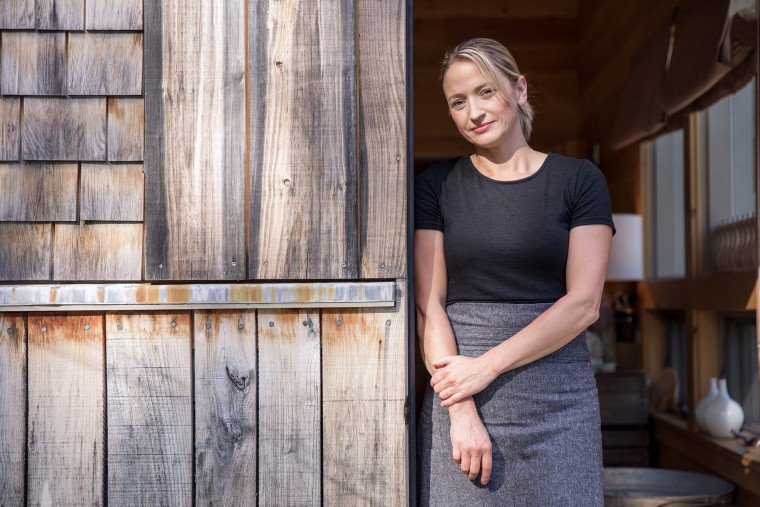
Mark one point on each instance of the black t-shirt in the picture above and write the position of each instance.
(507, 241)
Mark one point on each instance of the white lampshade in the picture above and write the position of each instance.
(627, 255)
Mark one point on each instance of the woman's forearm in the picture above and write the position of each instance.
(436, 336)
(551, 330)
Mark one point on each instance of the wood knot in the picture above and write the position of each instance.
(238, 381)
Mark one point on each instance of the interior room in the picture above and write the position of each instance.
(661, 95)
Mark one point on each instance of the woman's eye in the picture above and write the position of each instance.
(486, 92)
(457, 104)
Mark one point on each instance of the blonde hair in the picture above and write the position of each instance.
(492, 60)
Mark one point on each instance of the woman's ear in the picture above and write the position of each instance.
(521, 90)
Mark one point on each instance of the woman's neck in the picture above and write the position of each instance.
(508, 164)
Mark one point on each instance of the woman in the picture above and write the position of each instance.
(511, 249)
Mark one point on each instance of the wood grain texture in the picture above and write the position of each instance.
(195, 142)
(363, 389)
(33, 63)
(111, 192)
(150, 443)
(303, 140)
(126, 132)
(104, 64)
(12, 408)
(289, 408)
(25, 252)
(38, 192)
(225, 408)
(382, 137)
(16, 14)
(59, 14)
(66, 410)
(64, 129)
(10, 135)
(110, 15)
(98, 252)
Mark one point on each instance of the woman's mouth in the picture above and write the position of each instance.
(479, 129)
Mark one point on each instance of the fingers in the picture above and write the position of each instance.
(442, 362)
(474, 470)
(451, 400)
(457, 454)
(486, 463)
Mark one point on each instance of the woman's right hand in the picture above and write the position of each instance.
(470, 441)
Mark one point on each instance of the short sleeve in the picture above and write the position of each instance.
(591, 203)
(427, 201)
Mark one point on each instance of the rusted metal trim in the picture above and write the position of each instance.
(144, 296)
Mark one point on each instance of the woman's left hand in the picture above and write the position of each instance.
(459, 377)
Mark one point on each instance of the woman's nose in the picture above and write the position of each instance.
(476, 112)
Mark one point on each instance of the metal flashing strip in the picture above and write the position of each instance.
(146, 296)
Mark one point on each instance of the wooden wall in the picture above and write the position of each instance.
(203, 408)
(266, 140)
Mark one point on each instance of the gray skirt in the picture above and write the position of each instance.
(543, 420)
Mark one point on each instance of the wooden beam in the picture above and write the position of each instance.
(13, 404)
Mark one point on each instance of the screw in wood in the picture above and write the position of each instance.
(10, 330)
(44, 329)
(120, 326)
(271, 324)
(340, 322)
(388, 322)
(86, 327)
(240, 324)
(173, 324)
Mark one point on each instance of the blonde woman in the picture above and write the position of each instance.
(511, 250)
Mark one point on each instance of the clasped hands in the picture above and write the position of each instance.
(458, 377)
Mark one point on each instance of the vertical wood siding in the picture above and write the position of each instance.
(125, 129)
(33, 63)
(12, 408)
(110, 15)
(345, 447)
(10, 140)
(225, 408)
(195, 142)
(363, 379)
(52, 188)
(25, 251)
(149, 409)
(303, 140)
(64, 129)
(66, 410)
(104, 64)
(289, 408)
(382, 133)
(112, 193)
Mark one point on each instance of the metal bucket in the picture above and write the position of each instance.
(655, 487)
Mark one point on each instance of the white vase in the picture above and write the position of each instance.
(723, 414)
(699, 411)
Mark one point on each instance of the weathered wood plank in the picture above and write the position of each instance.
(59, 14)
(25, 252)
(383, 161)
(105, 64)
(12, 408)
(17, 14)
(10, 136)
(98, 252)
(38, 192)
(64, 129)
(150, 444)
(110, 15)
(33, 63)
(363, 386)
(125, 129)
(195, 142)
(289, 408)
(111, 192)
(225, 408)
(66, 410)
(302, 121)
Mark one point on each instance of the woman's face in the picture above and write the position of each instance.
(480, 113)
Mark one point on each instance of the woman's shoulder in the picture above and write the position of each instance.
(441, 169)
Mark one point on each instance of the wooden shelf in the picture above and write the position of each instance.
(680, 447)
(727, 292)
